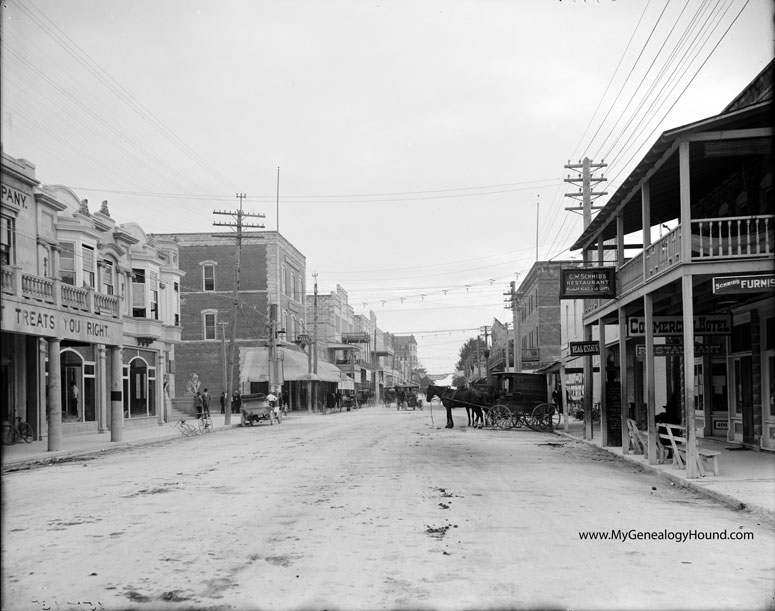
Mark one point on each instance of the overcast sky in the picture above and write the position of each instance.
(420, 143)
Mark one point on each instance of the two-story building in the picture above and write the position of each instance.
(694, 306)
(89, 313)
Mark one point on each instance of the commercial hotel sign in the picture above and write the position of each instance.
(33, 319)
(664, 326)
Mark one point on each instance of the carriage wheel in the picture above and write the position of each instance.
(501, 416)
(541, 419)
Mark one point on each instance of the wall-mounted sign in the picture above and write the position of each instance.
(664, 326)
(584, 348)
(583, 282)
(47, 322)
(729, 285)
(678, 349)
(14, 196)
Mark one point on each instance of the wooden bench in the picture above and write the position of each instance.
(638, 442)
(675, 434)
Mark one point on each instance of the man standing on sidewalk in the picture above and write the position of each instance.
(223, 402)
(274, 407)
(206, 403)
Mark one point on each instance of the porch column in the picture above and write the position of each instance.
(54, 395)
(564, 395)
(648, 362)
(603, 387)
(102, 389)
(624, 405)
(116, 395)
(645, 216)
(687, 295)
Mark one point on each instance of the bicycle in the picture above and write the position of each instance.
(21, 431)
(205, 424)
(186, 429)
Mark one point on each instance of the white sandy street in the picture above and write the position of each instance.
(371, 509)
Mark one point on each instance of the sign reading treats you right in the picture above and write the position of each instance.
(587, 282)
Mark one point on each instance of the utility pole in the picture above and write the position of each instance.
(238, 215)
(223, 326)
(514, 307)
(586, 196)
(486, 330)
(315, 337)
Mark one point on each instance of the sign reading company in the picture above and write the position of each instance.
(13, 196)
(47, 322)
(728, 285)
(664, 326)
(584, 348)
(580, 282)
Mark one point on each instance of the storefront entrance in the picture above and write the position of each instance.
(743, 394)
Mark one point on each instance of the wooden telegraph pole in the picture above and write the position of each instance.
(585, 195)
(239, 225)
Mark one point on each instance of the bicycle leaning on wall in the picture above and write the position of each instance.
(21, 431)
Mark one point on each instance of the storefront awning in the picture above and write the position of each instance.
(293, 366)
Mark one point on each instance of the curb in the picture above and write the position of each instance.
(725, 499)
(60, 456)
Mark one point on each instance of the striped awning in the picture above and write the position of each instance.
(293, 366)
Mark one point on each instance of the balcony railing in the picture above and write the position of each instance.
(734, 237)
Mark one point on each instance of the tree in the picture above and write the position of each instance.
(468, 355)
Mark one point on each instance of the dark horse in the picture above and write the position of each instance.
(473, 400)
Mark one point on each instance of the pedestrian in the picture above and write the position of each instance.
(274, 408)
(338, 398)
(206, 403)
(236, 402)
(198, 404)
(74, 395)
(223, 402)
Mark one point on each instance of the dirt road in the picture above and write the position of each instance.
(370, 509)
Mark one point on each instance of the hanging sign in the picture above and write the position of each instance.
(678, 349)
(591, 282)
(728, 285)
(584, 348)
(664, 326)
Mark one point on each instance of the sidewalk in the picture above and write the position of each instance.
(746, 477)
(23, 454)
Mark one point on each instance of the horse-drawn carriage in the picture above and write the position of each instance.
(406, 396)
(507, 400)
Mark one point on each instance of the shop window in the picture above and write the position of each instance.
(138, 389)
(769, 334)
(741, 338)
(67, 262)
(154, 293)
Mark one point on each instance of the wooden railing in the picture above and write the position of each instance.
(734, 237)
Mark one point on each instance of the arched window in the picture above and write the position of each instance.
(139, 389)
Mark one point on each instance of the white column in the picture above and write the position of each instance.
(102, 389)
(116, 395)
(54, 396)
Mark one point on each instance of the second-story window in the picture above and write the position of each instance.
(67, 262)
(154, 293)
(208, 277)
(176, 288)
(138, 293)
(108, 282)
(210, 320)
(282, 280)
(293, 286)
(7, 240)
(89, 266)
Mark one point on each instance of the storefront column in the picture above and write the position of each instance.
(624, 404)
(161, 370)
(116, 395)
(102, 389)
(651, 393)
(42, 390)
(54, 396)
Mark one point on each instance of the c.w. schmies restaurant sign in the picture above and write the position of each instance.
(591, 282)
(663, 326)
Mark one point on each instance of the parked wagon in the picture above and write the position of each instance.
(254, 408)
(406, 396)
(520, 399)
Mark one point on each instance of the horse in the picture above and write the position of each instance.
(473, 400)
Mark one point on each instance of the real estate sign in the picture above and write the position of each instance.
(587, 282)
(584, 348)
